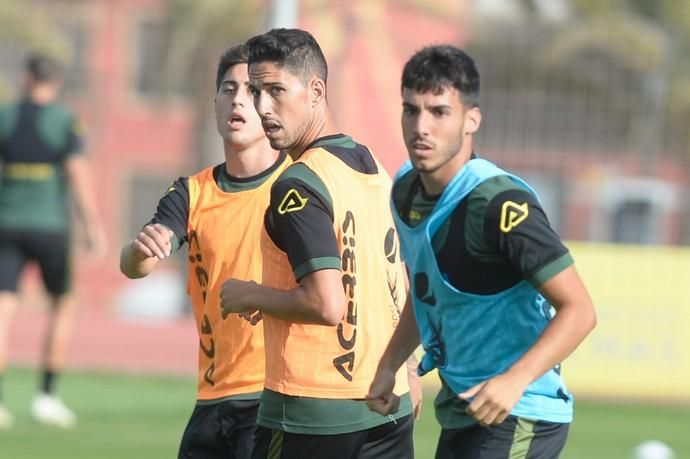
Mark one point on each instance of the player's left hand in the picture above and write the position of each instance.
(493, 399)
(234, 295)
(415, 383)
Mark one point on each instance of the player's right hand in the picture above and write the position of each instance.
(153, 241)
(96, 244)
(381, 398)
(253, 317)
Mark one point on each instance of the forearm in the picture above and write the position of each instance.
(134, 266)
(87, 209)
(560, 338)
(412, 363)
(83, 193)
(295, 305)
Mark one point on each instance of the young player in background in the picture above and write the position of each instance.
(218, 213)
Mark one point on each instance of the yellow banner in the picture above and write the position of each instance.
(640, 348)
(641, 345)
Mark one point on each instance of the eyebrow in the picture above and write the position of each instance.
(257, 82)
(428, 107)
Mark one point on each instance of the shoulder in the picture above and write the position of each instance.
(176, 199)
(355, 155)
(59, 115)
(299, 176)
(6, 108)
(489, 189)
(8, 112)
(497, 198)
(299, 171)
(8, 118)
(61, 111)
(181, 183)
(178, 188)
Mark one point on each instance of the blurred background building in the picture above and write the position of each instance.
(588, 100)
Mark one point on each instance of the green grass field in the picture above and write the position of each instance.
(143, 417)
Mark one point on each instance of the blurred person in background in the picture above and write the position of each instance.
(218, 212)
(43, 170)
(485, 268)
(333, 281)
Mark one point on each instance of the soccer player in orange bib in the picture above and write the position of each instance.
(218, 213)
(334, 282)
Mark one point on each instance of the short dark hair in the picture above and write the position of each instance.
(294, 49)
(43, 68)
(232, 56)
(435, 68)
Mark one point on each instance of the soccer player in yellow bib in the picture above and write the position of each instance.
(334, 283)
(218, 213)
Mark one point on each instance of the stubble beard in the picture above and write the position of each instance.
(291, 139)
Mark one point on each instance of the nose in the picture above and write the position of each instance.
(421, 124)
(262, 104)
(242, 99)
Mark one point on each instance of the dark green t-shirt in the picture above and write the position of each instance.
(35, 141)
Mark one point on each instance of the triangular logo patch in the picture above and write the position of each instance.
(292, 202)
(512, 214)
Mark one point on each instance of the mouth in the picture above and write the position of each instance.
(271, 128)
(419, 148)
(236, 121)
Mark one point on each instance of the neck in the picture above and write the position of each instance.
(42, 95)
(322, 125)
(436, 181)
(250, 160)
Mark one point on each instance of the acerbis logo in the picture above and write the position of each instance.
(390, 246)
(292, 202)
(512, 214)
(345, 363)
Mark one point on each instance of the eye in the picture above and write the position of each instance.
(439, 112)
(408, 110)
(276, 90)
(253, 91)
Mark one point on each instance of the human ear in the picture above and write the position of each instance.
(473, 119)
(317, 88)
